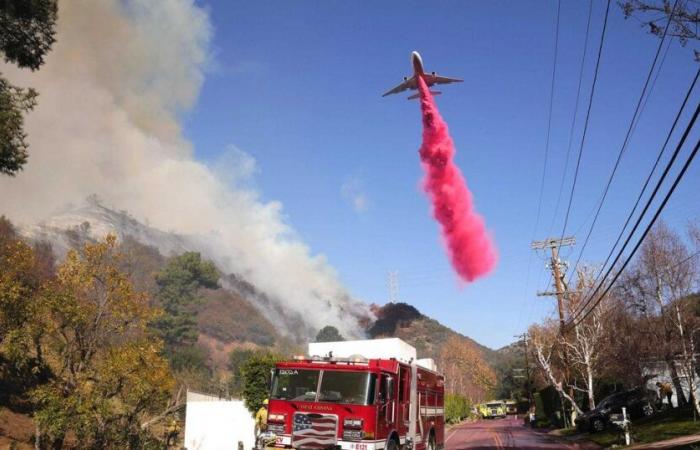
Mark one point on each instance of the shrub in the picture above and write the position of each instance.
(457, 408)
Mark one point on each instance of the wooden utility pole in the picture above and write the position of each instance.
(555, 265)
(561, 291)
(528, 387)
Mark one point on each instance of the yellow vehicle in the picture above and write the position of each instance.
(493, 409)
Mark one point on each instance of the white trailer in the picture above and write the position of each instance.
(213, 423)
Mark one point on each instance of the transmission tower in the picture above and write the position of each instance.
(393, 280)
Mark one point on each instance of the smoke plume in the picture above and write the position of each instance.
(112, 95)
(470, 249)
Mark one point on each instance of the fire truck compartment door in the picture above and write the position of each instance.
(387, 399)
(414, 408)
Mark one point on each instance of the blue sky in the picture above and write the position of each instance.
(297, 86)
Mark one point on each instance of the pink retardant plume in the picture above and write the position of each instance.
(469, 246)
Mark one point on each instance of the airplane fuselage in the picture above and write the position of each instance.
(417, 63)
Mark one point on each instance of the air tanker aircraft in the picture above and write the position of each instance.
(429, 78)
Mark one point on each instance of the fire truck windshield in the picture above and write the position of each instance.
(295, 384)
(335, 386)
(347, 387)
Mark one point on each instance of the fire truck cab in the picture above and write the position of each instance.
(357, 395)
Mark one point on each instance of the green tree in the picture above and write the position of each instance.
(236, 359)
(457, 408)
(329, 333)
(256, 372)
(178, 285)
(27, 29)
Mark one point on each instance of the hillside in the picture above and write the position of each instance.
(240, 314)
(93, 220)
(427, 335)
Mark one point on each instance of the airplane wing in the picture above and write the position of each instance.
(437, 79)
(408, 84)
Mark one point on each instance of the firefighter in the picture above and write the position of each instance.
(665, 390)
(261, 419)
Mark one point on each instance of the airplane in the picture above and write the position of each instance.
(412, 82)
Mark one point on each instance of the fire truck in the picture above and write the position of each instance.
(357, 395)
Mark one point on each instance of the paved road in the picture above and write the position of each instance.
(502, 434)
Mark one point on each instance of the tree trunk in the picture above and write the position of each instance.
(591, 395)
(37, 436)
(558, 385)
(680, 394)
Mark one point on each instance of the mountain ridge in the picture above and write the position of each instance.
(90, 222)
(240, 313)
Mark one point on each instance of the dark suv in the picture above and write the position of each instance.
(639, 403)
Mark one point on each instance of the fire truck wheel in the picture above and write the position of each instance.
(391, 445)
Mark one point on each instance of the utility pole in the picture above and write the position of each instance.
(561, 291)
(555, 265)
(528, 387)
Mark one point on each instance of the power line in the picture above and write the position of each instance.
(685, 260)
(648, 228)
(549, 120)
(588, 115)
(575, 115)
(637, 113)
(651, 173)
(546, 148)
(646, 231)
(648, 203)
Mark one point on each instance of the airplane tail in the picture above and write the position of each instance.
(417, 94)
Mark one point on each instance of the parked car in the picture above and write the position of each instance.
(511, 407)
(639, 403)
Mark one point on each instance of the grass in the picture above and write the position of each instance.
(565, 432)
(665, 425)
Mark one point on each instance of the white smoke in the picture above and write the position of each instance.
(111, 95)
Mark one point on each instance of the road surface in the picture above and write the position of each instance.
(503, 434)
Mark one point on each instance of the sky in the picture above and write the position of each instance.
(297, 86)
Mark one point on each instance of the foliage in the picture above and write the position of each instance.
(14, 103)
(191, 357)
(329, 333)
(428, 336)
(644, 330)
(655, 14)
(510, 373)
(23, 271)
(466, 372)
(255, 372)
(78, 336)
(178, 285)
(237, 358)
(27, 29)
(391, 316)
(142, 263)
(108, 375)
(228, 317)
(457, 408)
(666, 425)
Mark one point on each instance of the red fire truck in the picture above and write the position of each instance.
(357, 403)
